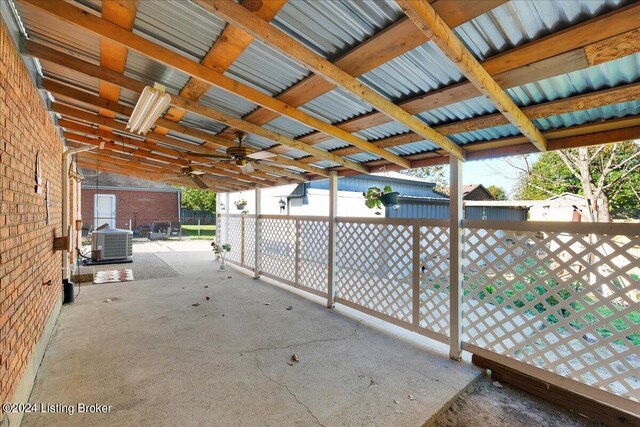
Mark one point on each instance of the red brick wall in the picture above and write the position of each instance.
(143, 207)
(27, 259)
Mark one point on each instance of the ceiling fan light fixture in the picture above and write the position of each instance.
(150, 106)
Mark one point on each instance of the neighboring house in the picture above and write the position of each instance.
(117, 200)
(417, 199)
(558, 208)
(476, 192)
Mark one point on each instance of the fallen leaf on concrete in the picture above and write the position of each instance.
(206, 286)
(223, 315)
(267, 303)
(395, 401)
(208, 298)
(289, 308)
(195, 304)
(497, 384)
(295, 358)
(108, 300)
(290, 363)
(228, 277)
(411, 397)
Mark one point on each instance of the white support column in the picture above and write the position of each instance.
(333, 213)
(455, 255)
(258, 236)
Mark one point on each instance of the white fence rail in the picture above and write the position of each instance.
(556, 300)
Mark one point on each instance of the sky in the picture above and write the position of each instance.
(497, 172)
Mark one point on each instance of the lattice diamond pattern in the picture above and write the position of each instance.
(279, 247)
(234, 238)
(374, 267)
(314, 253)
(249, 241)
(566, 302)
(434, 279)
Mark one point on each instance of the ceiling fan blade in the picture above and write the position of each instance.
(261, 155)
(200, 183)
(212, 156)
(247, 168)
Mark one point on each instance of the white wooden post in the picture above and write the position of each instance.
(258, 237)
(333, 213)
(455, 256)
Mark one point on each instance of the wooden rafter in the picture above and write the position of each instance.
(426, 18)
(212, 141)
(268, 34)
(575, 56)
(226, 49)
(78, 114)
(73, 15)
(398, 39)
(112, 55)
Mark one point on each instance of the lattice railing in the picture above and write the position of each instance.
(557, 298)
(313, 250)
(249, 242)
(561, 297)
(278, 248)
(434, 278)
(374, 267)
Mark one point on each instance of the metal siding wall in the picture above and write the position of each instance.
(359, 185)
(495, 213)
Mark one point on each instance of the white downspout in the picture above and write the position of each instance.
(66, 157)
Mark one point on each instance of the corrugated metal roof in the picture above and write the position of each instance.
(326, 164)
(485, 134)
(336, 106)
(226, 102)
(142, 68)
(265, 69)
(420, 70)
(607, 75)
(288, 127)
(413, 148)
(458, 111)
(200, 122)
(383, 131)
(362, 157)
(41, 26)
(71, 77)
(517, 22)
(331, 144)
(592, 115)
(332, 27)
(181, 25)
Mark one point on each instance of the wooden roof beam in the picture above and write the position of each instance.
(575, 56)
(268, 34)
(211, 141)
(226, 49)
(78, 114)
(75, 16)
(426, 18)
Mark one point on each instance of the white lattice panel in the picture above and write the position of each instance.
(279, 248)
(434, 279)
(220, 229)
(234, 238)
(375, 267)
(314, 253)
(249, 241)
(565, 302)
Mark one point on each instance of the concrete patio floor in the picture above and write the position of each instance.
(157, 359)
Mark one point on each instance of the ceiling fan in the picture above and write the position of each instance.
(192, 174)
(240, 155)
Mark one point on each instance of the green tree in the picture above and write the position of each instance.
(435, 174)
(607, 175)
(497, 192)
(202, 200)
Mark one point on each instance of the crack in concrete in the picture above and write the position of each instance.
(288, 391)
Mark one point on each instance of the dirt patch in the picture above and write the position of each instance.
(484, 404)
